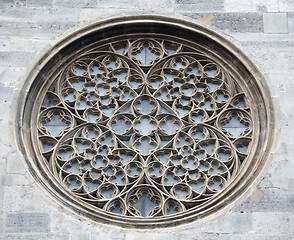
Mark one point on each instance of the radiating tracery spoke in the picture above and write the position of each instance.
(145, 127)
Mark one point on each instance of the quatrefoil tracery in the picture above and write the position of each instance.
(145, 122)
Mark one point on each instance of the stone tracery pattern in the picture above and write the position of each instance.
(145, 127)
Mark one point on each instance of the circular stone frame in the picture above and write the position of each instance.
(59, 54)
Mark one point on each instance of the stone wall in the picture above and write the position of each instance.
(262, 29)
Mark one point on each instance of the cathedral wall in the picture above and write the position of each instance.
(264, 30)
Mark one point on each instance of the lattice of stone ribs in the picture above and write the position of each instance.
(145, 127)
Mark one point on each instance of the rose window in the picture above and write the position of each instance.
(145, 127)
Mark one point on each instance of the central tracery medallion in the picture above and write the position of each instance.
(145, 127)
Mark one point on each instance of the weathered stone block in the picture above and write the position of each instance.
(133, 235)
(272, 200)
(199, 6)
(247, 22)
(91, 14)
(155, 5)
(76, 3)
(33, 30)
(27, 222)
(38, 14)
(41, 3)
(274, 224)
(108, 235)
(17, 59)
(6, 2)
(196, 236)
(10, 77)
(286, 6)
(14, 164)
(36, 236)
(5, 92)
(252, 6)
(24, 199)
(14, 180)
(275, 23)
(81, 236)
(121, 4)
(290, 22)
(64, 222)
(1, 225)
(251, 237)
(235, 223)
(234, 22)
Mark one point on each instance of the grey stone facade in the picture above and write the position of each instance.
(264, 30)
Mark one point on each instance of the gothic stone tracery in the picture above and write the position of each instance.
(145, 127)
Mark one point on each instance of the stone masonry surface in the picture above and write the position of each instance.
(262, 29)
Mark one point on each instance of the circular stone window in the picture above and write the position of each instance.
(145, 121)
